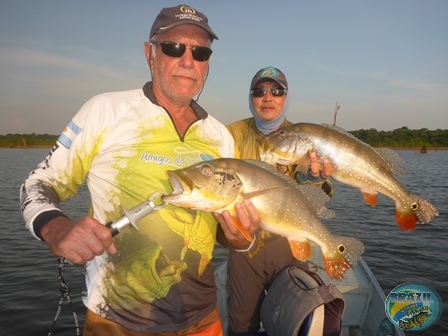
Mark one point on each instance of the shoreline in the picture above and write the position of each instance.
(432, 149)
(28, 147)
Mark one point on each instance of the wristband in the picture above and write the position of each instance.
(250, 246)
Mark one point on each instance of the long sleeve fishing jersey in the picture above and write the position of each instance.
(121, 144)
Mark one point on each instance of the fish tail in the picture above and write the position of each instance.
(419, 210)
(346, 253)
(425, 211)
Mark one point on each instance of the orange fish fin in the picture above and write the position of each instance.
(301, 250)
(241, 228)
(406, 220)
(336, 267)
(370, 199)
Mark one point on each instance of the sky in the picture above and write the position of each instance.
(384, 62)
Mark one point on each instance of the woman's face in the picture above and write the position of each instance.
(268, 107)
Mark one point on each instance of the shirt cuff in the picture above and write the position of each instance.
(43, 219)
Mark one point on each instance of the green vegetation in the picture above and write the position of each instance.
(398, 138)
(404, 138)
(27, 140)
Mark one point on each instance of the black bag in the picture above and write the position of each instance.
(299, 303)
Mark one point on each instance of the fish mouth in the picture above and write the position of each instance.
(181, 185)
(273, 159)
(269, 158)
(266, 153)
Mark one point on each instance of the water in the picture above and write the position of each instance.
(29, 291)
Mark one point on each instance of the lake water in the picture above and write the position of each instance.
(29, 285)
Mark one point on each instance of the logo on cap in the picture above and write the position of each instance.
(188, 13)
(269, 72)
(187, 9)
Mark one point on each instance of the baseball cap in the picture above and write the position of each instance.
(172, 17)
(269, 73)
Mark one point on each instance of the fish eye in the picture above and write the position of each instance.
(414, 206)
(341, 249)
(206, 169)
(282, 134)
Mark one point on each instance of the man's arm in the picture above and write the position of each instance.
(58, 178)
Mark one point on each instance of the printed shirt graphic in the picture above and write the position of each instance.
(124, 144)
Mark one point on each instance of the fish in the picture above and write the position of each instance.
(416, 320)
(353, 162)
(285, 208)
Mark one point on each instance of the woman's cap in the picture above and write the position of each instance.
(269, 73)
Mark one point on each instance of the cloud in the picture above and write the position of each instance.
(35, 59)
(389, 80)
(54, 71)
(40, 85)
(421, 86)
(372, 74)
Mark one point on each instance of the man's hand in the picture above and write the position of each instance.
(247, 215)
(78, 241)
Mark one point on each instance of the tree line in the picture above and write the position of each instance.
(27, 140)
(399, 138)
(404, 137)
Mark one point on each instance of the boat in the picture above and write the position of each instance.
(364, 313)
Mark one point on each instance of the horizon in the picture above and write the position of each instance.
(366, 129)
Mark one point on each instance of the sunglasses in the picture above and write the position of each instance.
(176, 49)
(275, 92)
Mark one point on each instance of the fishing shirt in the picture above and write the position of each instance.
(122, 145)
(248, 138)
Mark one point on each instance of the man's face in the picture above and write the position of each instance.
(178, 79)
(268, 107)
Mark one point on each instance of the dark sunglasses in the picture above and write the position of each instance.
(176, 49)
(275, 91)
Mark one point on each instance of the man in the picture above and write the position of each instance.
(251, 270)
(158, 280)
